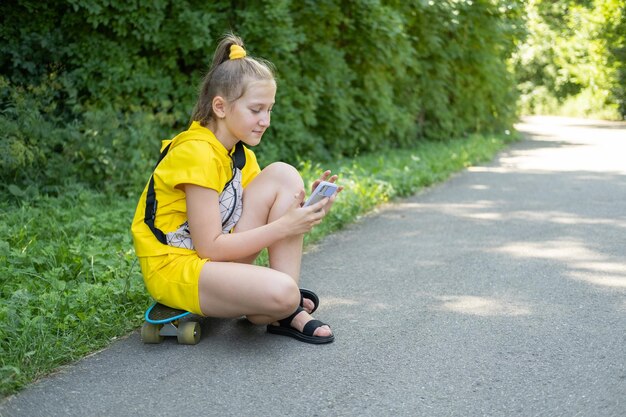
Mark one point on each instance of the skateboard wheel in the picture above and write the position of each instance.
(150, 333)
(189, 333)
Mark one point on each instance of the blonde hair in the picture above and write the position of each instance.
(228, 77)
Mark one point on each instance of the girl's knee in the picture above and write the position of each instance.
(285, 173)
(284, 296)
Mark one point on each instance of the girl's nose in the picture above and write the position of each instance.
(264, 121)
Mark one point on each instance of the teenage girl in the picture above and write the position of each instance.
(208, 210)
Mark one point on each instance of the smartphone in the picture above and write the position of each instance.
(323, 190)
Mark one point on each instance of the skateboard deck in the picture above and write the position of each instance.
(162, 321)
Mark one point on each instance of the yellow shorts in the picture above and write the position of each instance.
(172, 280)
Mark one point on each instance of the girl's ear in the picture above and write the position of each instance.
(219, 107)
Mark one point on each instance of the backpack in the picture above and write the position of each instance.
(239, 161)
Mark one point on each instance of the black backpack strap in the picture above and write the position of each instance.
(239, 156)
(151, 204)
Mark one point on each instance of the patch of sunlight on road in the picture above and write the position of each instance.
(561, 250)
(560, 217)
(583, 263)
(472, 210)
(614, 274)
(570, 145)
(605, 280)
(563, 144)
(482, 306)
(479, 187)
(492, 210)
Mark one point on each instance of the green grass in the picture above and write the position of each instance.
(69, 282)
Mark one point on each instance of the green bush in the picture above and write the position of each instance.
(42, 154)
(90, 88)
(574, 60)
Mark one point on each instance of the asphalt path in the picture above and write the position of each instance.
(501, 292)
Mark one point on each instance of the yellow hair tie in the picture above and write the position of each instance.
(236, 52)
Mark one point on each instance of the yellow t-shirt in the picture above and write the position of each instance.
(195, 157)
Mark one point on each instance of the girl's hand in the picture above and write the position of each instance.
(327, 177)
(299, 220)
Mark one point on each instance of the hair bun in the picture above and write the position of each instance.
(236, 52)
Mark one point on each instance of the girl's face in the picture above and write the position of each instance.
(247, 118)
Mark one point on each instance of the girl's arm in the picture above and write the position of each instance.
(206, 227)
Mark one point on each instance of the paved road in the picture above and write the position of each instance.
(501, 292)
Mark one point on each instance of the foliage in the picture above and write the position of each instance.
(90, 87)
(68, 284)
(574, 60)
(42, 154)
(616, 40)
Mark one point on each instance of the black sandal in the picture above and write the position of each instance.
(304, 293)
(306, 335)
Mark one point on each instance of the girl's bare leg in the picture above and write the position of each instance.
(229, 289)
(264, 295)
(267, 198)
